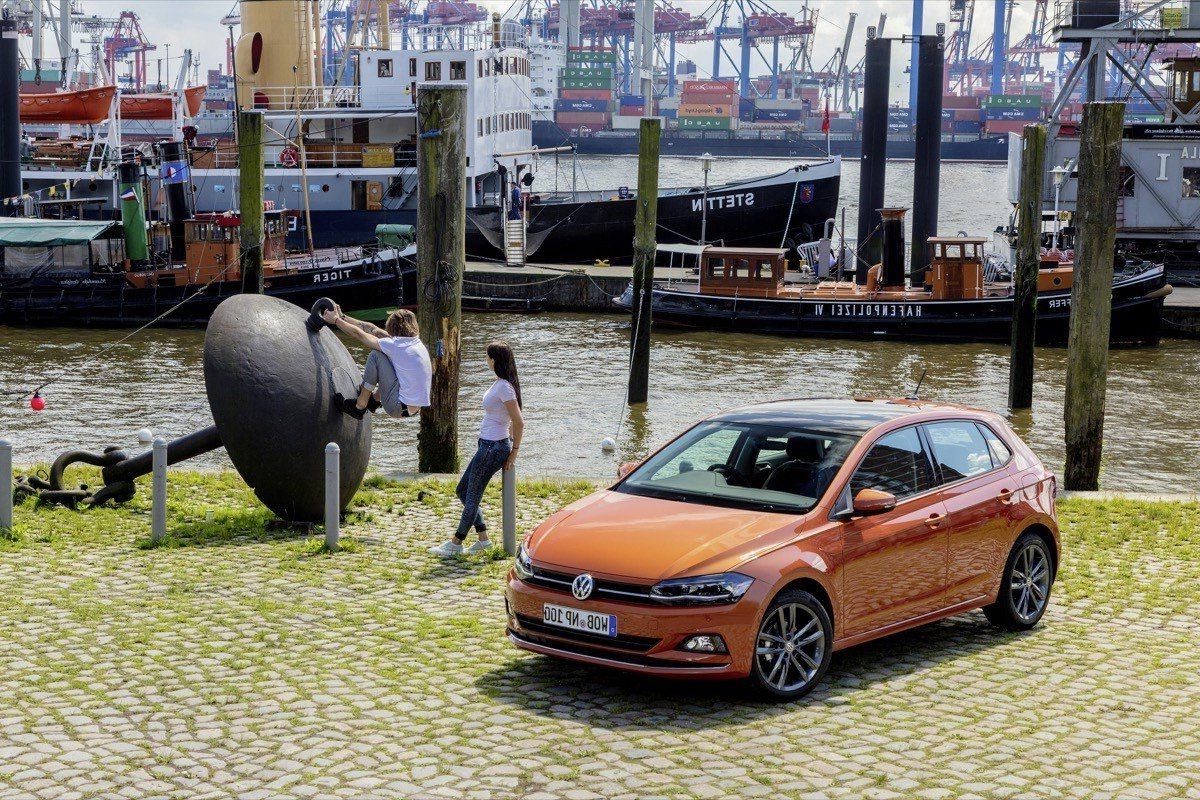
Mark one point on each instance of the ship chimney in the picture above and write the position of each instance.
(10, 112)
(928, 163)
(133, 213)
(874, 146)
(177, 184)
(892, 274)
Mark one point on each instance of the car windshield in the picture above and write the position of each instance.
(768, 467)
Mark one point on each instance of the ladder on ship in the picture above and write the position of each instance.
(514, 241)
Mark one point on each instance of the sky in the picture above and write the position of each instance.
(196, 23)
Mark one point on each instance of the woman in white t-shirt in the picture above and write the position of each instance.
(499, 442)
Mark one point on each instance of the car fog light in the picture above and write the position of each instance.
(708, 643)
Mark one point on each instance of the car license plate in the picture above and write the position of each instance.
(579, 620)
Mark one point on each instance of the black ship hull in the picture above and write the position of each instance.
(1136, 315)
(789, 145)
(110, 301)
(780, 210)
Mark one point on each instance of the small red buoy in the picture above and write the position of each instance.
(36, 402)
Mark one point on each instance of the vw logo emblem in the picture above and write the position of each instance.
(582, 586)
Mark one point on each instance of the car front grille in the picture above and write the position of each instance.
(607, 590)
(634, 644)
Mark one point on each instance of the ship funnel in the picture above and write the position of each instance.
(133, 213)
(177, 184)
(892, 274)
(877, 75)
(10, 112)
(275, 56)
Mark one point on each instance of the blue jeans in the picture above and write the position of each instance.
(487, 461)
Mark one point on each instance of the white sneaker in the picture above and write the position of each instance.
(480, 547)
(447, 550)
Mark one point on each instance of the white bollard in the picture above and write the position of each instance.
(333, 494)
(6, 486)
(158, 510)
(508, 512)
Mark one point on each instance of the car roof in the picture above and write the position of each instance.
(857, 415)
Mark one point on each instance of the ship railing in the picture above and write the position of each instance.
(476, 36)
(304, 98)
(1133, 15)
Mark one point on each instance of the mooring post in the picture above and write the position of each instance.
(6, 486)
(158, 494)
(333, 500)
(250, 182)
(645, 222)
(1025, 279)
(1091, 292)
(509, 509)
(441, 259)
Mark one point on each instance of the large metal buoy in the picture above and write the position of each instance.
(270, 371)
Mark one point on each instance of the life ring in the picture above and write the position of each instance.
(290, 157)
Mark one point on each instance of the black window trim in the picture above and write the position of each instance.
(937, 468)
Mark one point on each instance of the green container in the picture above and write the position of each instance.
(585, 83)
(588, 72)
(591, 57)
(705, 123)
(1013, 101)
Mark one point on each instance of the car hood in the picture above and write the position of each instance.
(649, 539)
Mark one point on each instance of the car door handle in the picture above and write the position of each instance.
(1007, 496)
(935, 520)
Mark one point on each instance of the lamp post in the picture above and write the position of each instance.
(705, 164)
(1059, 176)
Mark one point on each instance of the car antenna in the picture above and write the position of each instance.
(916, 392)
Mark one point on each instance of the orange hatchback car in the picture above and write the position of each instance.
(764, 539)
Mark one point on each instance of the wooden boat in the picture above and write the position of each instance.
(69, 272)
(80, 107)
(751, 290)
(157, 106)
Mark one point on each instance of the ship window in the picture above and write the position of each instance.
(1191, 181)
(716, 268)
(412, 67)
(741, 268)
(385, 68)
(479, 69)
(479, 127)
(433, 70)
(458, 70)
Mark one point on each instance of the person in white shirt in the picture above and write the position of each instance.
(499, 441)
(398, 374)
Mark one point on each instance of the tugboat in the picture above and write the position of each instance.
(115, 274)
(751, 290)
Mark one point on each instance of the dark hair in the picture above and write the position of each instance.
(401, 322)
(505, 364)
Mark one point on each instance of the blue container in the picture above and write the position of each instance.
(596, 106)
(668, 113)
(966, 126)
(1014, 114)
(632, 100)
(779, 114)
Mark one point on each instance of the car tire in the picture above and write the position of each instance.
(793, 612)
(1025, 588)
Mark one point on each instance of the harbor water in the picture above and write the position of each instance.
(573, 370)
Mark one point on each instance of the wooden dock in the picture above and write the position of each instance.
(1181, 313)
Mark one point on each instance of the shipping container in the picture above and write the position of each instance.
(994, 126)
(959, 101)
(963, 126)
(585, 94)
(705, 110)
(711, 99)
(1012, 101)
(577, 118)
(581, 105)
(779, 115)
(668, 113)
(633, 111)
(591, 56)
(1024, 114)
(587, 72)
(707, 123)
(795, 102)
(586, 83)
(633, 100)
(709, 86)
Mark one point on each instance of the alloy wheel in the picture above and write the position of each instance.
(790, 647)
(1029, 585)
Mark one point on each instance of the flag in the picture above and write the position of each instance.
(825, 119)
(129, 194)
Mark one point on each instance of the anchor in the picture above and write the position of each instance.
(271, 371)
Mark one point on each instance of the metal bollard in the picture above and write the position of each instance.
(6, 486)
(509, 509)
(158, 509)
(333, 496)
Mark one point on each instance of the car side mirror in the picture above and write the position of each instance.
(626, 468)
(873, 501)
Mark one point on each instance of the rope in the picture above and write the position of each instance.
(791, 209)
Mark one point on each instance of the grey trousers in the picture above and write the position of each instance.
(379, 374)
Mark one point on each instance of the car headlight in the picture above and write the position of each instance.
(523, 564)
(702, 590)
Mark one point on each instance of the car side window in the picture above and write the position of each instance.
(996, 446)
(898, 464)
(959, 449)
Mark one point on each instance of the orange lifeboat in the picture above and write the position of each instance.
(82, 107)
(158, 106)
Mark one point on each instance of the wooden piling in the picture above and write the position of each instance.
(645, 222)
(1091, 292)
(1025, 277)
(441, 260)
(250, 193)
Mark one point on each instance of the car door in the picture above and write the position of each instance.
(894, 564)
(978, 490)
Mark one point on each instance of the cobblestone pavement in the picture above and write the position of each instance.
(245, 663)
